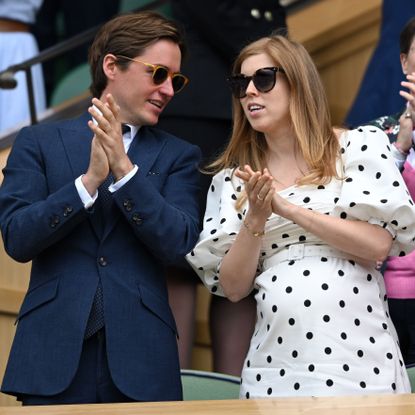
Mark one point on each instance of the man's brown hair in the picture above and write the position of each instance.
(129, 35)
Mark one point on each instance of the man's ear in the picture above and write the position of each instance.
(109, 65)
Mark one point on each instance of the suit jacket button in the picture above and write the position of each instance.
(255, 13)
(128, 205)
(54, 221)
(67, 211)
(136, 219)
(102, 261)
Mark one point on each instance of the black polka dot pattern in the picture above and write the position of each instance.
(322, 325)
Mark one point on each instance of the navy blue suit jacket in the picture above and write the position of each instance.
(43, 219)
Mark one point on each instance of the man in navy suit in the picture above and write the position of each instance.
(99, 212)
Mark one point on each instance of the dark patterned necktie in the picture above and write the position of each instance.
(96, 318)
(105, 201)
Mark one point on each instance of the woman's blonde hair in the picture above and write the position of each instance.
(309, 112)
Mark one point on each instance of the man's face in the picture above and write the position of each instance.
(141, 101)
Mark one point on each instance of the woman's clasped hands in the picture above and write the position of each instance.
(261, 193)
(259, 187)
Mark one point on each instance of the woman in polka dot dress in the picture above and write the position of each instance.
(301, 215)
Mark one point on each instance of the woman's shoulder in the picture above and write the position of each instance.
(365, 142)
(360, 134)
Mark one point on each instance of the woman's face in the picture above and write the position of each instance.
(408, 60)
(267, 112)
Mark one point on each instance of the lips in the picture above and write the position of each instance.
(157, 103)
(253, 107)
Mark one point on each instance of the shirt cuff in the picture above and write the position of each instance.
(86, 198)
(117, 185)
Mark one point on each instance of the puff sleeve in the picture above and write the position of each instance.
(373, 189)
(221, 225)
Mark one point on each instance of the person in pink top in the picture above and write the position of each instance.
(399, 272)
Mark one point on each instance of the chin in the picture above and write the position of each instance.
(150, 120)
(153, 122)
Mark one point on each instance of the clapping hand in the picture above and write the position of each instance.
(261, 192)
(259, 189)
(107, 131)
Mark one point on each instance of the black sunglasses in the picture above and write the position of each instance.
(161, 73)
(264, 80)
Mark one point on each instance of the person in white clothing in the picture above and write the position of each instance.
(17, 44)
(300, 214)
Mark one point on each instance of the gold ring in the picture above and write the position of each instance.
(408, 115)
(259, 198)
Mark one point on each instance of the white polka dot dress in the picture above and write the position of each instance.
(323, 326)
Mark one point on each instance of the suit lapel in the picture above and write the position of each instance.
(143, 152)
(144, 149)
(76, 138)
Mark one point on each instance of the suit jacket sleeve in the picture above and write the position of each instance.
(32, 215)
